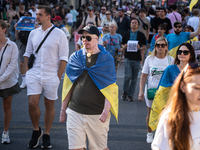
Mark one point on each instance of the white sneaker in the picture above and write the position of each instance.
(5, 137)
(23, 85)
(149, 137)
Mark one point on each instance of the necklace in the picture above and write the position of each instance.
(89, 54)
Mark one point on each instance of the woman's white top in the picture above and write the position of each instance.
(161, 139)
(9, 71)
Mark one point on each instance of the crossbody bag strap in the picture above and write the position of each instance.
(142, 21)
(175, 16)
(2, 54)
(44, 39)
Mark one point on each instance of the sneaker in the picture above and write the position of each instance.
(46, 143)
(23, 85)
(5, 137)
(36, 135)
(124, 96)
(149, 137)
(130, 98)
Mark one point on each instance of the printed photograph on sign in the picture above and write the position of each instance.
(26, 23)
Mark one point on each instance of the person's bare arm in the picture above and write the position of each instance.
(105, 112)
(64, 106)
(143, 79)
(197, 32)
(26, 63)
(62, 68)
(16, 32)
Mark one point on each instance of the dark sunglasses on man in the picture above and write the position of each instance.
(177, 26)
(88, 38)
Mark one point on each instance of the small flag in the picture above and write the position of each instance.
(192, 3)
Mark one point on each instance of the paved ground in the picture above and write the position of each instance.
(128, 134)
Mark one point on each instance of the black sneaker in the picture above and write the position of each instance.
(36, 135)
(130, 98)
(124, 96)
(46, 142)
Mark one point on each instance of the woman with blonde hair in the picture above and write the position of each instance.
(153, 68)
(112, 43)
(178, 128)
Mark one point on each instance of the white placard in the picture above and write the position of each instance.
(132, 46)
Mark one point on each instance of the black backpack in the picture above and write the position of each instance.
(23, 36)
(96, 20)
(151, 22)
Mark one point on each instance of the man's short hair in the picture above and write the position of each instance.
(177, 22)
(173, 7)
(157, 8)
(137, 21)
(32, 5)
(47, 10)
(142, 10)
(151, 11)
(195, 12)
(121, 9)
(162, 8)
(162, 26)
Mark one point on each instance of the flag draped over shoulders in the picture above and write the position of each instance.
(102, 73)
(162, 94)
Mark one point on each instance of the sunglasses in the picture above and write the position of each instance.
(179, 52)
(88, 38)
(89, 10)
(192, 66)
(160, 45)
(177, 26)
(107, 14)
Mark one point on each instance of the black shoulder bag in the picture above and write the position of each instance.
(2, 54)
(144, 25)
(32, 57)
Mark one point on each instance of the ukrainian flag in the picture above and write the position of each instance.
(172, 51)
(192, 3)
(102, 73)
(162, 94)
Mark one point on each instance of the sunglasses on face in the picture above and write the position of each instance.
(107, 14)
(160, 45)
(89, 10)
(177, 26)
(179, 52)
(88, 38)
(192, 66)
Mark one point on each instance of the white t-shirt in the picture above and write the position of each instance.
(69, 16)
(33, 12)
(161, 139)
(154, 67)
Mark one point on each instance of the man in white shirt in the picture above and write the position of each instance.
(103, 13)
(194, 21)
(48, 67)
(33, 10)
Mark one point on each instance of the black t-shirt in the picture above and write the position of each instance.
(141, 41)
(123, 26)
(159, 21)
(86, 97)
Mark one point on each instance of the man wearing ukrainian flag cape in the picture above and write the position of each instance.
(178, 37)
(90, 87)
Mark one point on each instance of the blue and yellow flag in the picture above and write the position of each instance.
(162, 94)
(102, 73)
(192, 3)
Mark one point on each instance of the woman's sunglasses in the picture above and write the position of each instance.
(160, 45)
(88, 38)
(179, 52)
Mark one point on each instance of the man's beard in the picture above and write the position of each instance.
(177, 32)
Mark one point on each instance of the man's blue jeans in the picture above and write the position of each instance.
(131, 74)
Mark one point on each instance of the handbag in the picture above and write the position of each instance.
(151, 93)
(144, 25)
(32, 57)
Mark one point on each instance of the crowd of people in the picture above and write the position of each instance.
(157, 41)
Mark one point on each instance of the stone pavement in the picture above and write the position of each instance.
(128, 134)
